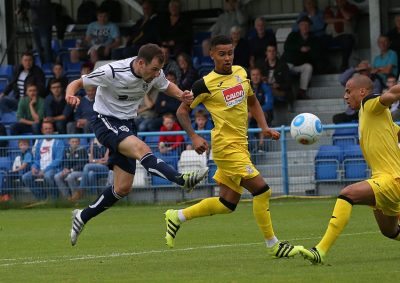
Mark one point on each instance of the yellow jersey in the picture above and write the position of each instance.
(225, 97)
(378, 137)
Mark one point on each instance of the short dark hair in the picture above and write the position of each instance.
(150, 51)
(220, 40)
(172, 73)
(55, 81)
(27, 53)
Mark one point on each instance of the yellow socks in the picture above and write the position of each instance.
(208, 207)
(262, 214)
(340, 218)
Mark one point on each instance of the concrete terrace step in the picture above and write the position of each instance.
(325, 80)
(324, 92)
(333, 105)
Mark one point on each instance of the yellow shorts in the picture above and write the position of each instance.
(387, 194)
(234, 166)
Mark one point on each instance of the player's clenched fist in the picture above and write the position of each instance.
(187, 97)
(275, 135)
(72, 100)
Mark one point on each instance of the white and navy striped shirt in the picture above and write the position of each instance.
(119, 90)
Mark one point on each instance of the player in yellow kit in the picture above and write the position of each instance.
(227, 95)
(379, 138)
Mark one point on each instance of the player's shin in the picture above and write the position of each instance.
(340, 218)
(208, 207)
(103, 202)
(262, 215)
(158, 167)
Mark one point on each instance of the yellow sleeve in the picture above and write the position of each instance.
(373, 105)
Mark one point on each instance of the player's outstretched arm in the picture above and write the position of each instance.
(200, 145)
(72, 89)
(258, 114)
(184, 96)
(390, 96)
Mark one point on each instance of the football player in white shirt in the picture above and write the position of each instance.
(121, 86)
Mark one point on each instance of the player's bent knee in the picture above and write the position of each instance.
(260, 191)
(123, 190)
(346, 194)
(229, 205)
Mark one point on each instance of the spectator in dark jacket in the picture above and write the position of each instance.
(83, 113)
(276, 74)
(27, 72)
(56, 109)
(75, 157)
(176, 29)
(241, 48)
(303, 54)
(188, 74)
(145, 30)
(259, 42)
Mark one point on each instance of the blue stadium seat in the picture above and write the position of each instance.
(158, 181)
(199, 36)
(354, 164)
(9, 118)
(6, 71)
(327, 163)
(152, 141)
(5, 163)
(47, 69)
(3, 84)
(345, 136)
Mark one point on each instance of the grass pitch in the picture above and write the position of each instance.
(126, 244)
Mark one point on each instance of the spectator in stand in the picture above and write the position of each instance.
(205, 59)
(232, 16)
(146, 112)
(394, 38)
(275, 72)
(47, 161)
(340, 21)
(262, 38)
(172, 143)
(145, 30)
(30, 112)
(176, 29)
(97, 168)
(21, 165)
(310, 9)
(363, 68)
(164, 104)
(302, 53)
(188, 74)
(27, 72)
(56, 109)
(202, 123)
(67, 180)
(386, 62)
(170, 65)
(240, 48)
(101, 37)
(83, 113)
(263, 93)
(58, 73)
(41, 23)
(395, 107)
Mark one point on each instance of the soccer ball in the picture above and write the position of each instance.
(306, 128)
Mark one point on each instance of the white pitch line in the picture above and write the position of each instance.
(29, 261)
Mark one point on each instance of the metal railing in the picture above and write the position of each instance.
(288, 167)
